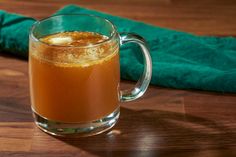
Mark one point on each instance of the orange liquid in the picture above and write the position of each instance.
(80, 89)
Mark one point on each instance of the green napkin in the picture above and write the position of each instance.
(180, 60)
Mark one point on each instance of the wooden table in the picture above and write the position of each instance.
(165, 122)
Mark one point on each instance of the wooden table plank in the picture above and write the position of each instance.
(165, 122)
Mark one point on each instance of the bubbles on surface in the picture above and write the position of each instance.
(81, 48)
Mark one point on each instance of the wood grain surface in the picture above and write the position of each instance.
(165, 122)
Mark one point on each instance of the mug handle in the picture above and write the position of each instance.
(144, 80)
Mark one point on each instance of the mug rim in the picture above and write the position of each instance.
(37, 22)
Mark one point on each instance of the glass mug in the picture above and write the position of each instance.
(72, 97)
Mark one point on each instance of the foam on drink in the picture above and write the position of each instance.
(75, 48)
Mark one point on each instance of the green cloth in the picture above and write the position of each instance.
(180, 60)
(14, 30)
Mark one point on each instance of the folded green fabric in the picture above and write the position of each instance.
(180, 60)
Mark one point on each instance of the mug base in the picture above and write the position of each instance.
(76, 129)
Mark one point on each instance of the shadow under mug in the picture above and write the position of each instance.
(71, 98)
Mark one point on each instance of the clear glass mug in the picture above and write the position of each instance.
(74, 98)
